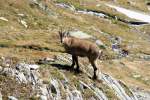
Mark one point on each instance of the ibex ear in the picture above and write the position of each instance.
(60, 34)
(67, 33)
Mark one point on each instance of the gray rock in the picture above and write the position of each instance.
(55, 89)
(76, 95)
(24, 23)
(42, 97)
(22, 67)
(33, 67)
(26, 67)
(21, 78)
(63, 5)
(98, 93)
(1, 96)
(12, 98)
(73, 95)
(119, 90)
(80, 34)
(136, 76)
(142, 95)
(34, 76)
(8, 72)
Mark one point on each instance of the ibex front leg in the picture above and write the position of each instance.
(77, 64)
(73, 61)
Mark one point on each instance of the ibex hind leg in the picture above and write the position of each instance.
(95, 69)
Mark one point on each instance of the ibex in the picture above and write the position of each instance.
(82, 48)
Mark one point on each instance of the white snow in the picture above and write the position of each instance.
(132, 14)
(4, 19)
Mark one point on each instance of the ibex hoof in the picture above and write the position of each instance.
(94, 77)
(77, 71)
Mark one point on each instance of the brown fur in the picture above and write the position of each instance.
(82, 48)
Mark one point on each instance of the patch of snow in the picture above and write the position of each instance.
(4, 19)
(132, 14)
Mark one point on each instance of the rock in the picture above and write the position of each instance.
(145, 57)
(21, 78)
(45, 60)
(80, 34)
(24, 23)
(100, 44)
(33, 67)
(1, 96)
(26, 67)
(71, 7)
(21, 15)
(137, 76)
(8, 72)
(98, 5)
(43, 90)
(76, 95)
(22, 67)
(12, 98)
(73, 95)
(42, 97)
(98, 93)
(34, 77)
(4, 19)
(142, 95)
(55, 89)
(1, 68)
(116, 86)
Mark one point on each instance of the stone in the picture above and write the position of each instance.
(80, 34)
(137, 76)
(21, 78)
(43, 97)
(100, 43)
(4, 19)
(1, 96)
(63, 5)
(24, 23)
(33, 67)
(12, 98)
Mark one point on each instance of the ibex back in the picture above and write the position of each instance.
(82, 48)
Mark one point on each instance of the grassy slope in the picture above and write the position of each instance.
(40, 39)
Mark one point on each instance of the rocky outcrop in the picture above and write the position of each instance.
(57, 89)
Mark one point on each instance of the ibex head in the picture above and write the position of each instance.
(63, 34)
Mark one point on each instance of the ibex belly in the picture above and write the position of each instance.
(77, 52)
